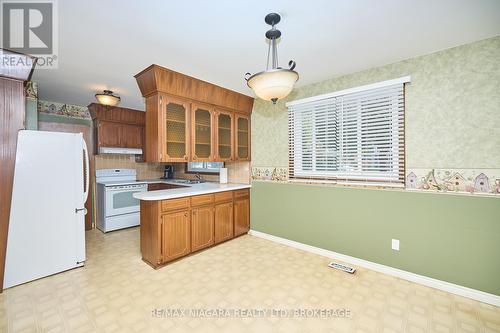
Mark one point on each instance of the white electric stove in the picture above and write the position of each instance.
(116, 206)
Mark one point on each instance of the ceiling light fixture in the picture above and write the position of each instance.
(107, 98)
(275, 83)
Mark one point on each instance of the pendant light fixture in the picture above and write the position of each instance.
(274, 83)
(107, 98)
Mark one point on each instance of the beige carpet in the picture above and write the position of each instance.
(245, 285)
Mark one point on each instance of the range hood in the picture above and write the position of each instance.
(117, 150)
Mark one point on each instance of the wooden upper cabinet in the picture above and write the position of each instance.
(156, 79)
(176, 235)
(116, 114)
(117, 127)
(192, 120)
(132, 136)
(242, 137)
(109, 134)
(175, 119)
(224, 136)
(202, 138)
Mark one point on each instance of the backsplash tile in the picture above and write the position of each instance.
(144, 170)
(238, 172)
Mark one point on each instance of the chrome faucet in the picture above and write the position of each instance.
(199, 177)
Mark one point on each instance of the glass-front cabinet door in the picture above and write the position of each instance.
(242, 137)
(224, 134)
(202, 134)
(176, 118)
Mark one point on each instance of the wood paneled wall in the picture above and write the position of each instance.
(12, 111)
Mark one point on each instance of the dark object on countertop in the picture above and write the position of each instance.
(168, 173)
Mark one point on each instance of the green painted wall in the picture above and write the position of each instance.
(453, 238)
(31, 118)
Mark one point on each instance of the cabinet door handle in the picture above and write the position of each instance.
(186, 158)
(185, 214)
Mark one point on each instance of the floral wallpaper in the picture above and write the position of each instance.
(452, 114)
(68, 110)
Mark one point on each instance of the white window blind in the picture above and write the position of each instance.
(351, 136)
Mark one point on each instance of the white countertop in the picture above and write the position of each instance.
(189, 190)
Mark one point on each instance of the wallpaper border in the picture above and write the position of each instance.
(460, 181)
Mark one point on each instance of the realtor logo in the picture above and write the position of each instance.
(30, 27)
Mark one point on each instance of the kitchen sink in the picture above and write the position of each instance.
(192, 181)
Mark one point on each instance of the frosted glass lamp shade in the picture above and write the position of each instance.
(107, 98)
(273, 84)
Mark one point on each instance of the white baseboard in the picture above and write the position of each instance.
(424, 280)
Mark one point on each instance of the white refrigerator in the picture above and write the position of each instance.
(47, 217)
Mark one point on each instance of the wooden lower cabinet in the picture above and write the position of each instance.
(241, 216)
(224, 228)
(176, 235)
(202, 228)
(174, 228)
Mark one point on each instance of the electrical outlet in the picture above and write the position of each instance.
(395, 244)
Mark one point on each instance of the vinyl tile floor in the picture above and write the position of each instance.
(245, 285)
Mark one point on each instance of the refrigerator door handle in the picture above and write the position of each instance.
(87, 172)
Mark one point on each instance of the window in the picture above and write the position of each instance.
(350, 136)
(204, 167)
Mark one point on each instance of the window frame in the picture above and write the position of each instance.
(202, 171)
(312, 110)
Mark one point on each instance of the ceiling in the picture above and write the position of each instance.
(103, 44)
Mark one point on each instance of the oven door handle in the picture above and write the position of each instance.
(136, 189)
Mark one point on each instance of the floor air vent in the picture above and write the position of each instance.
(341, 267)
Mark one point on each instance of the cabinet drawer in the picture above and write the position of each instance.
(174, 204)
(242, 193)
(224, 196)
(202, 200)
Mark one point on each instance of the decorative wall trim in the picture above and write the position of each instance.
(420, 279)
(68, 110)
(483, 182)
(31, 89)
(270, 173)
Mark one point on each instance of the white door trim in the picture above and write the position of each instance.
(424, 280)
